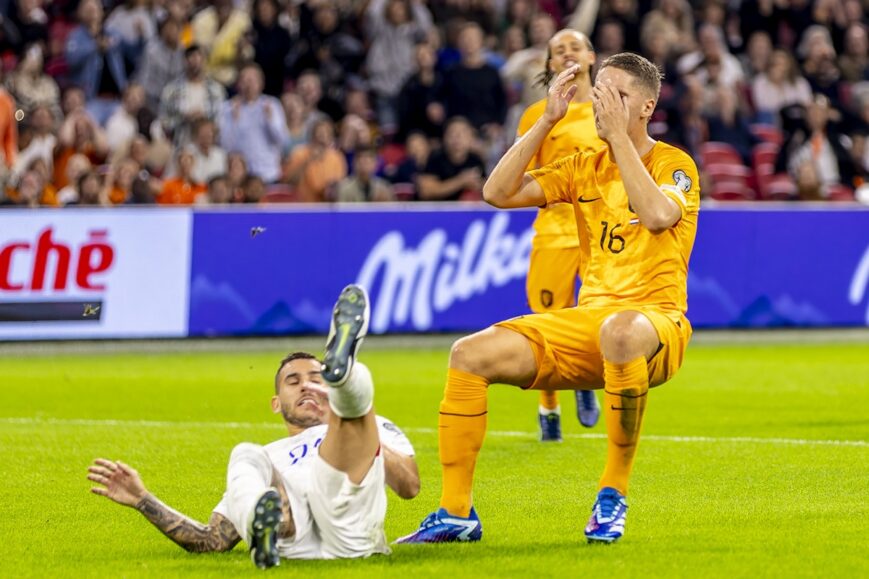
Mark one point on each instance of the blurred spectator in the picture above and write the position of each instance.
(392, 26)
(271, 44)
(418, 151)
(687, 126)
(454, 169)
(190, 98)
(357, 130)
(313, 168)
(219, 192)
(209, 160)
(31, 87)
(472, 88)
(482, 12)
(325, 47)
(765, 16)
(254, 124)
(363, 184)
(218, 29)
(815, 154)
(779, 86)
(236, 173)
(819, 62)
(96, 62)
(418, 108)
(182, 189)
(38, 141)
(76, 166)
(726, 123)
(854, 62)
(79, 134)
(30, 191)
(134, 23)
(310, 88)
(253, 189)
(295, 113)
(162, 62)
(712, 61)
(119, 181)
(123, 125)
(89, 190)
(526, 65)
(24, 22)
(758, 54)
(8, 130)
(609, 39)
(675, 17)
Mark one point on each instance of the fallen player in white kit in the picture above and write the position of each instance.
(319, 494)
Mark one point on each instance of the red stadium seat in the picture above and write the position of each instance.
(393, 155)
(731, 191)
(279, 194)
(404, 191)
(471, 195)
(840, 192)
(779, 187)
(715, 153)
(768, 134)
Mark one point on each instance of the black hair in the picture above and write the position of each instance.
(545, 77)
(287, 359)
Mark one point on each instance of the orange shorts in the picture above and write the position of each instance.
(552, 276)
(566, 345)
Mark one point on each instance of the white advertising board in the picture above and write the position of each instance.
(94, 273)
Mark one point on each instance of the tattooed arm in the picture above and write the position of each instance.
(123, 485)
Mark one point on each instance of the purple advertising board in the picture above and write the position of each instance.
(457, 268)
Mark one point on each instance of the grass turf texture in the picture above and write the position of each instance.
(719, 508)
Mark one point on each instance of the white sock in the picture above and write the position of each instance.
(355, 397)
(248, 476)
(545, 411)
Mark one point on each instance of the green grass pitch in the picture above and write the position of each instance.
(738, 474)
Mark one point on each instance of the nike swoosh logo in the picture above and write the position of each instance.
(581, 200)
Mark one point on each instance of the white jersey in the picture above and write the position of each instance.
(292, 458)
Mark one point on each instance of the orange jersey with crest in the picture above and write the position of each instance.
(575, 133)
(623, 263)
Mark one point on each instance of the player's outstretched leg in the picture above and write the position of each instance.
(348, 398)
(264, 530)
(587, 408)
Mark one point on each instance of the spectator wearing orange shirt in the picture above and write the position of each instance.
(317, 166)
(8, 129)
(182, 190)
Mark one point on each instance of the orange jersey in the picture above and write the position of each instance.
(575, 133)
(622, 261)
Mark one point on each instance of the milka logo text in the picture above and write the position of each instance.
(414, 282)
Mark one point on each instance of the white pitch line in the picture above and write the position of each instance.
(29, 421)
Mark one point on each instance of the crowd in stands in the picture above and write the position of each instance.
(234, 101)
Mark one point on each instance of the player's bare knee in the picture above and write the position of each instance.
(465, 355)
(621, 340)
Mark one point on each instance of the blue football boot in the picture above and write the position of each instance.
(587, 408)
(442, 527)
(550, 426)
(607, 522)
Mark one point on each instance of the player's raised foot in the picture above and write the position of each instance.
(607, 522)
(264, 530)
(442, 527)
(550, 426)
(348, 328)
(587, 408)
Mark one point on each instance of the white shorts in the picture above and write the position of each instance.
(349, 517)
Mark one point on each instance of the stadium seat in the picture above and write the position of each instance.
(404, 191)
(764, 156)
(768, 134)
(731, 191)
(471, 195)
(279, 194)
(779, 187)
(392, 154)
(840, 192)
(715, 153)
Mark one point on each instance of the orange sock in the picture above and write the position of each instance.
(549, 399)
(461, 429)
(626, 386)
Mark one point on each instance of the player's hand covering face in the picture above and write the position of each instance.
(611, 101)
(560, 94)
